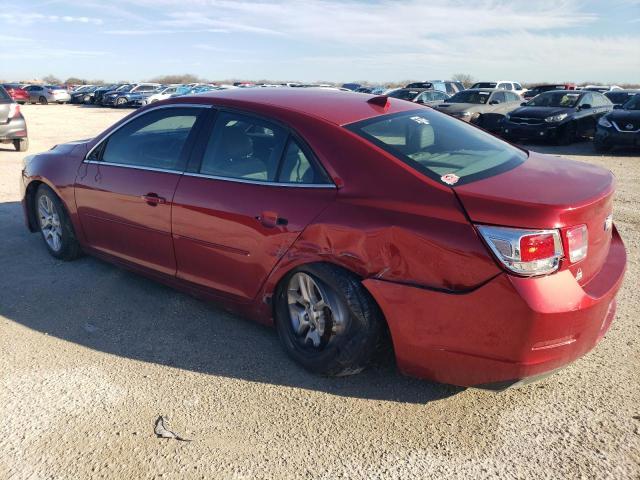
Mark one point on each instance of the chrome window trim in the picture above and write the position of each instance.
(260, 182)
(135, 167)
(159, 107)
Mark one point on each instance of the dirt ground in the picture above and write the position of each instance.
(90, 355)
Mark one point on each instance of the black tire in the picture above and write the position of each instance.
(69, 248)
(568, 134)
(43, 101)
(120, 102)
(21, 144)
(352, 348)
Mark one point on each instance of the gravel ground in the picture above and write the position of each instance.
(90, 355)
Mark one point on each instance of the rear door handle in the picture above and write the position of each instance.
(153, 199)
(271, 219)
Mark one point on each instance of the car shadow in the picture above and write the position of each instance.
(107, 309)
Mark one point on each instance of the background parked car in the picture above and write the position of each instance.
(558, 115)
(82, 94)
(372, 90)
(124, 96)
(502, 85)
(447, 86)
(601, 88)
(13, 128)
(483, 107)
(16, 92)
(44, 94)
(538, 89)
(619, 128)
(97, 96)
(425, 96)
(351, 86)
(163, 93)
(620, 97)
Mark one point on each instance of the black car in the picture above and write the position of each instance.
(620, 97)
(538, 89)
(81, 95)
(621, 127)
(559, 115)
(99, 94)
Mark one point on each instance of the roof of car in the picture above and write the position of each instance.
(334, 106)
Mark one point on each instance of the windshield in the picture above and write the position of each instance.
(439, 146)
(484, 85)
(470, 96)
(404, 94)
(124, 88)
(555, 99)
(634, 103)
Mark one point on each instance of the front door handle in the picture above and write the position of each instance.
(271, 219)
(153, 199)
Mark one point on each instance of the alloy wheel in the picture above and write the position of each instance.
(314, 313)
(50, 224)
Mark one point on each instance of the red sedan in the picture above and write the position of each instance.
(339, 217)
(17, 93)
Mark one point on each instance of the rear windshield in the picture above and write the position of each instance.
(404, 94)
(633, 104)
(470, 96)
(3, 94)
(484, 85)
(446, 149)
(619, 97)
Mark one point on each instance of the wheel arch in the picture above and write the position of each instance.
(30, 199)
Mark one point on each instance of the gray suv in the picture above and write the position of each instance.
(13, 128)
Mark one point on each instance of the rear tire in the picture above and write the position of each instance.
(21, 144)
(335, 328)
(55, 226)
(42, 101)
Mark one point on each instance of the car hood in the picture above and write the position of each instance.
(547, 192)
(460, 107)
(540, 112)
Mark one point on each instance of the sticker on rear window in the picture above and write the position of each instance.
(450, 178)
(420, 120)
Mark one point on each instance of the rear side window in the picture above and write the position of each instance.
(440, 146)
(298, 167)
(153, 140)
(244, 147)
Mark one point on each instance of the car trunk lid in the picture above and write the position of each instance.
(548, 192)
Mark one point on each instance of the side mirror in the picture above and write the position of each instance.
(617, 107)
(523, 104)
(420, 100)
(494, 102)
(586, 106)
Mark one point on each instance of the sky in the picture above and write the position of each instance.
(322, 40)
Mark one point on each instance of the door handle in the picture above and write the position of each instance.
(271, 219)
(153, 199)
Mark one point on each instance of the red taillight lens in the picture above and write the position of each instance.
(537, 247)
(577, 242)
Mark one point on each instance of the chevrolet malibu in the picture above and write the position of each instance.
(342, 219)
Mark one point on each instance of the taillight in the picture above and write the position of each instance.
(577, 242)
(525, 252)
(14, 110)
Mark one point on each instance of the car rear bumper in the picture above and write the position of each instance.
(60, 97)
(613, 138)
(508, 330)
(16, 128)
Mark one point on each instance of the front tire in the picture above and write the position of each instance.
(568, 135)
(327, 321)
(43, 101)
(120, 102)
(55, 226)
(601, 147)
(21, 144)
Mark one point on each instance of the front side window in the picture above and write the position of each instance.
(244, 147)
(499, 97)
(438, 145)
(153, 140)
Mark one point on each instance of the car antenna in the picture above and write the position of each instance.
(379, 100)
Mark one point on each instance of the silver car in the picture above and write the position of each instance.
(485, 107)
(44, 94)
(13, 128)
